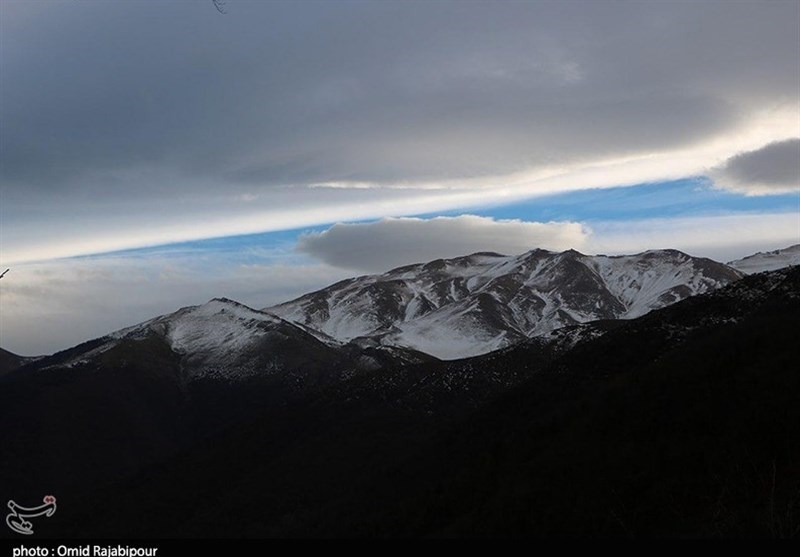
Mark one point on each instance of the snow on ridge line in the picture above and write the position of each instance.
(225, 305)
(768, 261)
(217, 320)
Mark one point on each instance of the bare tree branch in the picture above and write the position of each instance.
(220, 5)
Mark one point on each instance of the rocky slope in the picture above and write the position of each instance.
(455, 308)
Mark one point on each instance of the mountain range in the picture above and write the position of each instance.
(652, 394)
(444, 309)
(455, 308)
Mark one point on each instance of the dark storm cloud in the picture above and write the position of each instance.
(775, 167)
(292, 93)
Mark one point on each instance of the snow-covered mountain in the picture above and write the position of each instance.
(447, 308)
(768, 261)
(454, 308)
(226, 340)
(221, 339)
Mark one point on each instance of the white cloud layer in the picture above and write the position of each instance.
(774, 168)
(124, 126)
(392, 242)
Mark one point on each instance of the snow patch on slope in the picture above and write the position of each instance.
(649, 281)
(211, 337)
(220, 325)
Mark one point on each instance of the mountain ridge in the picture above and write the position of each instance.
(478, 303)
(446, 308)
(768, 260)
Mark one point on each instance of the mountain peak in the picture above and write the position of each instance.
(224, 301)
(234, 309)
(666, 252)
(452, 308)
(486, 254)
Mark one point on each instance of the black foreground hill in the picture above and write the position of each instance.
(683, 422)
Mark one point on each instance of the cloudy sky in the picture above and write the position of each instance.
(158, 153)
